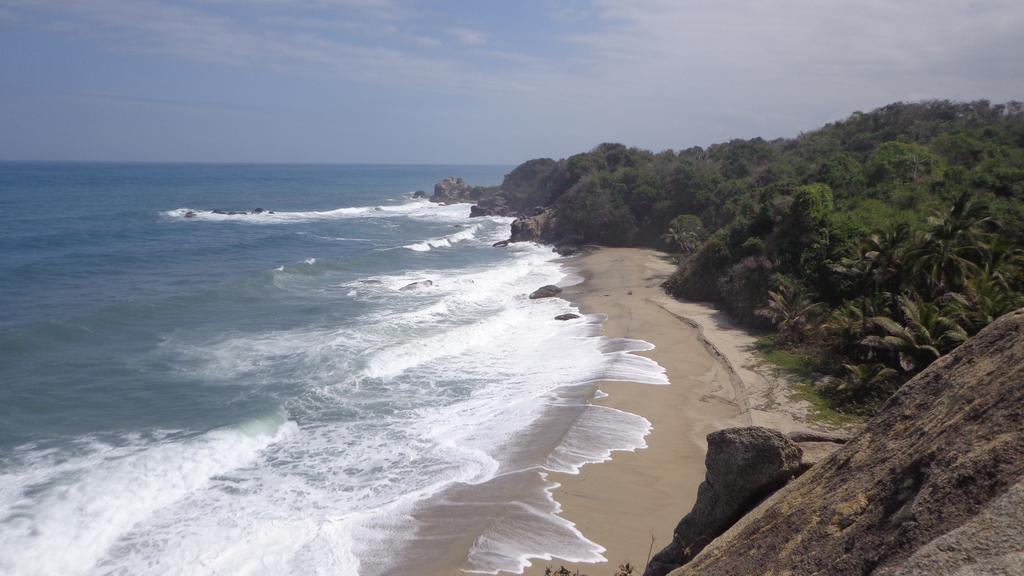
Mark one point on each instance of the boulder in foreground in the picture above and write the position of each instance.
(744, 465)
(932, 485)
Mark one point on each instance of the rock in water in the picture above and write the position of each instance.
(501, 243)
(567, 316)
(548, 291)
(530, 228)
(417, 285)
(451, 190)
(743, 466)
(419, 194)
(928, 487)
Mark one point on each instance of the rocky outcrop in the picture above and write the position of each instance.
(744, 465)
(491, 206)
(419, 194)
(531, 228)
(932, 485)
(549, 291)
(567, 316)
(451, 190)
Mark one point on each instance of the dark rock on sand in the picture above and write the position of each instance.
(548, 291)
(566, 250)
(934, 484)
(567, 316)
(744, 465)
(417, 285)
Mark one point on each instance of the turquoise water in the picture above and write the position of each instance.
(260, 393)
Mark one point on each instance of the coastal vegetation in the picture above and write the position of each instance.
(871, 246)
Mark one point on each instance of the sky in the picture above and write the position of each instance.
(487, 82)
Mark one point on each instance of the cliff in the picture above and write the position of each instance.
(934, 484)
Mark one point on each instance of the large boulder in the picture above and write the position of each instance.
(744, 465)
(930, 486)
(530, 228)
(549, 291)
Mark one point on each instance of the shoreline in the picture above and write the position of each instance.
(714, 383)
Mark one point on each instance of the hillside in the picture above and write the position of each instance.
(873, 245)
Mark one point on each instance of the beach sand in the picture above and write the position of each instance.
(625, 502)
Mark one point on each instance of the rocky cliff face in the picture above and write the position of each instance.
(933, 485)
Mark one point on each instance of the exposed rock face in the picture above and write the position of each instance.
(567, 316)
(451, 190)
(549, 291)
(743, 466)
(491, 206)
(530, 228)
(931, 486)
(419, 194)
(501, 243)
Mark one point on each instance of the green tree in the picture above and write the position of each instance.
(903, 163)
(685, 232)
(792, 312)
(953, 245)
(925, 334)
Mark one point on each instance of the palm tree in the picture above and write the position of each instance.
(924, 336)
(867, 381)
(851, 322)
(792, 312)
(1003, 259)
(953, 245)
(686, 232)
(985, 297)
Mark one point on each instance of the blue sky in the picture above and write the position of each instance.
(472, 82)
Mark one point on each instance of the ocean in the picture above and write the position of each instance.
(351, 382)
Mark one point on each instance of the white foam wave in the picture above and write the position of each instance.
(97, 498)
(437, 387)
(445, 241)
(415, 209)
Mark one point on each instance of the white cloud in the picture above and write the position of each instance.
(467, 36)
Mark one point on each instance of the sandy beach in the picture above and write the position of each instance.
(636, 496)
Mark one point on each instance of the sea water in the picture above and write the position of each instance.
(188, 392)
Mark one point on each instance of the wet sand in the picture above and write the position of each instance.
(623, 503)
(631, 503)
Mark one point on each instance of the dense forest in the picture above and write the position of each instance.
(872, 245)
